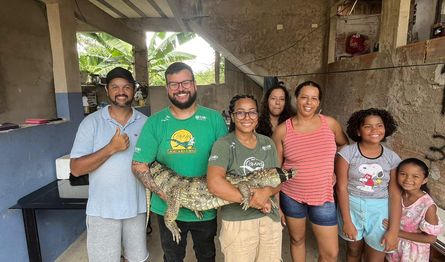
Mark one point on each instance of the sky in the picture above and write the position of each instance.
(205, 55)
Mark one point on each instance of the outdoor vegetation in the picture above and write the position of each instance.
(100, 52)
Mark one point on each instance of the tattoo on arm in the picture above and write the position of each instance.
(142, 172)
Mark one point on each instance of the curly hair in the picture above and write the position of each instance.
(358, 118)
(420, 164)
(232, 108)
(264, 125)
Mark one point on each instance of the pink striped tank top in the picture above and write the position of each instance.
(312, 154)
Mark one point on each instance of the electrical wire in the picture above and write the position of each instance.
(344, 71)
(294, 43)
(301, 38)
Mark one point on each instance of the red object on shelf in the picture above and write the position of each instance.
(356, 44)
(36, 121)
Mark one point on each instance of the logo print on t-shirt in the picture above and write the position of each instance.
(372, 175)
(252, 164)
(182, 142)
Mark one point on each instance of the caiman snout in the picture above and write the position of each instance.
(286, 174)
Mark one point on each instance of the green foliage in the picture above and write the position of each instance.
(101, 52)
(208, 76)
(161, 53)
(205, 77)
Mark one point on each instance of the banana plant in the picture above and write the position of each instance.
(101, 52)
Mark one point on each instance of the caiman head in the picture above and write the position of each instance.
(286, 174)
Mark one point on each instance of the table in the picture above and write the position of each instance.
(47, 197)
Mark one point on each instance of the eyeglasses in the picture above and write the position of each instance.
(186, 84)
(240, 115)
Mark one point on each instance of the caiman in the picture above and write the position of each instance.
(192, 192)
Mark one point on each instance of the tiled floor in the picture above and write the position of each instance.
(77, 251)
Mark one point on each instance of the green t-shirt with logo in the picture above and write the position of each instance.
(237, 159)
(183, 145)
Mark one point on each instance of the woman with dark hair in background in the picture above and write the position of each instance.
(275, 109)
(308, 142)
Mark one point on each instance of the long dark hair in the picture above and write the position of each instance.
(264, 125)
(419, 163)
(232, 108)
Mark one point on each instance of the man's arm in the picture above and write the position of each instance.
(142, 173)
(85, 164)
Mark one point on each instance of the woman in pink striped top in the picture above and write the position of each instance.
(308, 142)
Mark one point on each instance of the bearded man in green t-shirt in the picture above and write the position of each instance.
(181, 137)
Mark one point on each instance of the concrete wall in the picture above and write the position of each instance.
(27, 155)
(248, 30)
(425, 15)
(414, 95)
(26, 81)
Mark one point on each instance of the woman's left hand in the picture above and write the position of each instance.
(259, 197)
(282, 217)
(267, 208)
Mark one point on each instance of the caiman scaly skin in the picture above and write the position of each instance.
(192, 192)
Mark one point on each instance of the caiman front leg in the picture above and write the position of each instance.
(198, 214)
(173, 205)
(273, 203)
(244, 189)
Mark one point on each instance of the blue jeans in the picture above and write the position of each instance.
(203, 235)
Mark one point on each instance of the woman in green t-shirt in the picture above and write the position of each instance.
(254, 233)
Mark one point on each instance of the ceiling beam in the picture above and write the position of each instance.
(175, 7)
(157, 8)
(84, 27)
(153, 24)
(91, 14)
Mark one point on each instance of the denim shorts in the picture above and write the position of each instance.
(324, 215)
(367, 215)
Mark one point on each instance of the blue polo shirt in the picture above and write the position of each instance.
(114, 192)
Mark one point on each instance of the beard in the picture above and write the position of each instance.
(126, 104)
(186, 104)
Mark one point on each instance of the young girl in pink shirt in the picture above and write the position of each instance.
(419, 225)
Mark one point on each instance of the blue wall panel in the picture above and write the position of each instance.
(27, 162)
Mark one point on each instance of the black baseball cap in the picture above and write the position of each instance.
(119, 72)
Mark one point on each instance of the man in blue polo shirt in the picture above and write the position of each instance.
(104, 146)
